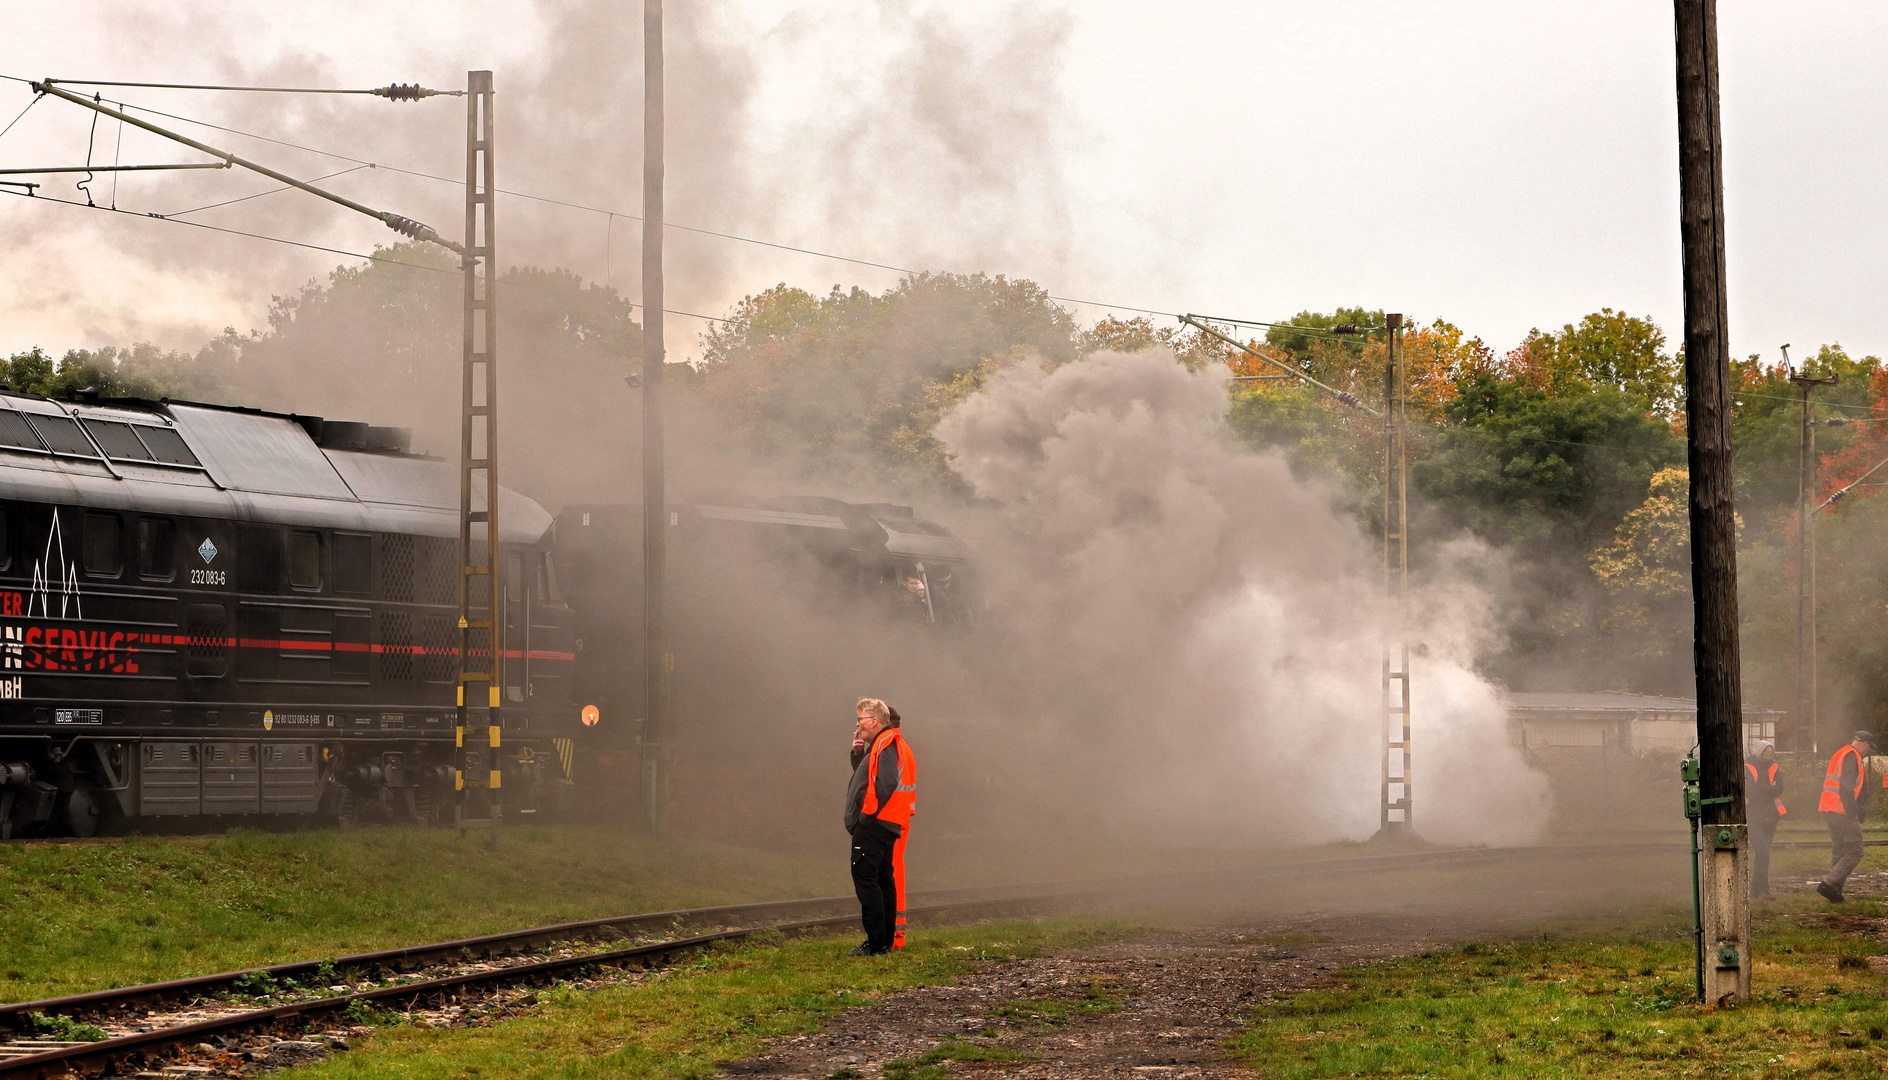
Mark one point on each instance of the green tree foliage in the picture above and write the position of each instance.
(1650, 556)
(1521, 464)
(142, 371)
(1302, 347)
(1766, 429)
(850, 383)
(1607, 348)
(1853, 595)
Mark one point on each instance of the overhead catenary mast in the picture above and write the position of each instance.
(1394, 814)
(1806, 704)
(655, 510)
(481, 652)
(481, 633)
(1394, 810)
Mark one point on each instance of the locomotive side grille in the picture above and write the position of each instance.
(437, 571)
(438, 636)
(396, 638)
(397, 556)
(207, 655)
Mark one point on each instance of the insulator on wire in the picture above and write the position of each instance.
(405, 92)
(406, 226)
(1348, 399)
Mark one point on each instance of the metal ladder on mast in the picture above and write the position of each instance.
(481, 636)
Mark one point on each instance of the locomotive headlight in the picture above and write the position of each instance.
(591, 715)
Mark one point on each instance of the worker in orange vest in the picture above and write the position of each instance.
(1842, 807)
(1763, 800)
(879, 803)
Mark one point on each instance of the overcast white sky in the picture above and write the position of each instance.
(1502, 165)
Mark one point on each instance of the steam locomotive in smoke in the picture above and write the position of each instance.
(223, 613)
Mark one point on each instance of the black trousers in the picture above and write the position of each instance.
(873, 880)
(1762, 832)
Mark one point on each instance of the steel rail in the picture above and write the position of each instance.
(406, 957)
(142, 1048)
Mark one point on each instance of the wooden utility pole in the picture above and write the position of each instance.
(655, 510)
(1724, 868)
(1807, 707)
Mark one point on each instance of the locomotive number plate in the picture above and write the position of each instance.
(78, 716)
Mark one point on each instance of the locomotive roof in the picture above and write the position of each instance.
(902, 532)
(212, 461)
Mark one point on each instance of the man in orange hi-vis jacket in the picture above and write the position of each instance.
(1842, 806)
(879, 803)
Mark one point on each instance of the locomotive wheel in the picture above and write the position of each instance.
(79, 812)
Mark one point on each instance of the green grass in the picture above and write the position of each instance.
(723, 1007)
(78, 917)
(64, 1028)
(1610, 1004)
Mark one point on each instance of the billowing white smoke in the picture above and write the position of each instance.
(1198, 633)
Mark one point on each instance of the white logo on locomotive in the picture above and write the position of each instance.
(207, 550)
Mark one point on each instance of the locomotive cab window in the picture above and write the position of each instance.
(547, 578)
(102, 549)
(304, 560)
(514, 578)
(157, 549)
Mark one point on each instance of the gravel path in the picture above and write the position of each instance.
(1179, 996)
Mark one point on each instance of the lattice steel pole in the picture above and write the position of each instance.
(481, 639)
(1395, 809)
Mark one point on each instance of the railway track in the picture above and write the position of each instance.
(146, 1026)
(133, 1052)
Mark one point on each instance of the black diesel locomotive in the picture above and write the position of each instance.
(211, 611)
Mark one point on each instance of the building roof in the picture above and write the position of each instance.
(1606, 701)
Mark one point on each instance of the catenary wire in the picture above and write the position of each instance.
(22, 114)
(377, 91)
(728, 236)
(260, 194)
(670, 311)
(304, 245)
(613, 213)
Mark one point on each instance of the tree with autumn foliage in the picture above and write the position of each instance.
(847, 386)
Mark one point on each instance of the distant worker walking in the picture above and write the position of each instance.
(879, 803)
(1764, 803)
(1842, 807)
